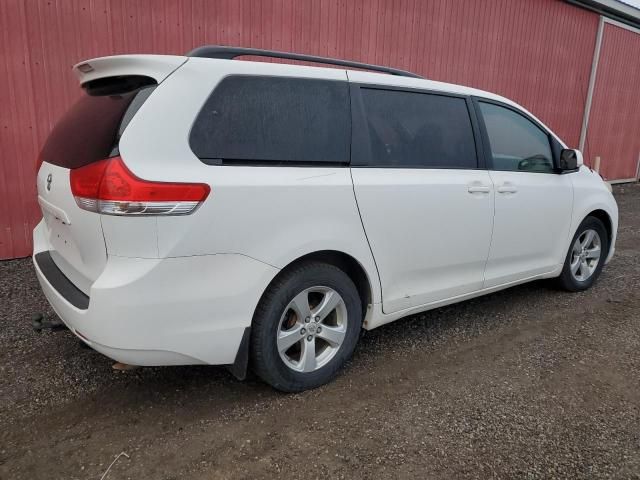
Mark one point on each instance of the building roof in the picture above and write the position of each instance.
(620, 10)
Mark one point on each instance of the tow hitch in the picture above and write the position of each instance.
(39, 323)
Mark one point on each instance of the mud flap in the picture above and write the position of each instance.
(241, 364)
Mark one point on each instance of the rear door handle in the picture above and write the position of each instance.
(479, 189)
(507, 188)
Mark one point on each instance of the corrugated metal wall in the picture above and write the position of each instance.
(537, 52)
(614, 123)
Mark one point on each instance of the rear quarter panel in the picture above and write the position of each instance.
(272, 214)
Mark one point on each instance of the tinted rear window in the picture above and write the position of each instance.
(419, 130)
(272, 119)
(90, 130)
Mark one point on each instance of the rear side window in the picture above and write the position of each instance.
(91, 129)
(417, 130)
(274, 120)
(517, 144)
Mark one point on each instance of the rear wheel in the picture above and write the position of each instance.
(586, 256)
(306, 327)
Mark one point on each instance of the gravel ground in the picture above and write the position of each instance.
(526, 383)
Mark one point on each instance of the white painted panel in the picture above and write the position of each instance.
(429, 234)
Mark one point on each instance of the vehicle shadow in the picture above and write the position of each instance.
(189, 390)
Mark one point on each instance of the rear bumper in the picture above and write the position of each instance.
(65, 287)
(172, 311)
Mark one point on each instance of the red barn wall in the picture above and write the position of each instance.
(614, 120)
(537, 52)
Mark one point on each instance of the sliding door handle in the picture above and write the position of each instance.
(479, 189)
(507, 188)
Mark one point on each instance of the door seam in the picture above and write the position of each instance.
(493, 224)
(364, 230)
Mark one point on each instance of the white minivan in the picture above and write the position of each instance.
(205, 210)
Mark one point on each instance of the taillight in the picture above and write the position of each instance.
(109, 187)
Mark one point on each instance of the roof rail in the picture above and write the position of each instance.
(229, 53)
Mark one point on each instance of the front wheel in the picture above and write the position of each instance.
(306, 327)
(586, 256)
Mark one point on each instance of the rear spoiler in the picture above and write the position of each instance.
(157, 67)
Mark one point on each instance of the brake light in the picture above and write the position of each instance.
(109, 187)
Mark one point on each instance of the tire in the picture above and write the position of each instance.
(577, 280)
(280, 314)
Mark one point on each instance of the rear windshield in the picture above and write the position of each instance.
(91, 129)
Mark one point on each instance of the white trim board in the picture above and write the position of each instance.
(592, 84)
(622, 180)
(621, 25)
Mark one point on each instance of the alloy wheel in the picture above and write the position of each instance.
(312, 329)
(585, 255)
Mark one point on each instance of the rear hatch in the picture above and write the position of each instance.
(87, 133)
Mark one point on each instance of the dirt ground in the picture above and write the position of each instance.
(526, 383)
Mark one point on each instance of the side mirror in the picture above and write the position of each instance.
(570, 159)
